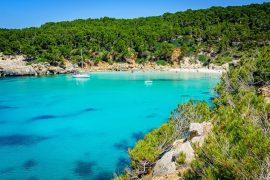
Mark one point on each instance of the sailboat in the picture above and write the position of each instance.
(81, 75)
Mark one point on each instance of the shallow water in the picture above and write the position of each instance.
(58, 127)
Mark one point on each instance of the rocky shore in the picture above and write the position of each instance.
(167, 167)
(19, 66)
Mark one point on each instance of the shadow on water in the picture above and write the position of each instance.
(8, 170)
(150, 116)
(137, 135)
(90, 110)
(122, 145)
(84, 168)
(104, 176)
(21, 140)
(185, 95)
(121, 164)
(43, 117)
(3, 107)
(29, 164)
(48, 116)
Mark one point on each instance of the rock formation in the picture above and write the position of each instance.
(265, 92)
(166, 167)
(18, 66)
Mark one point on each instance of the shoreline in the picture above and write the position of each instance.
(170, 70)
(19, 67)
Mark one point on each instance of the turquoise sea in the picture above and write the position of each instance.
(58, 127)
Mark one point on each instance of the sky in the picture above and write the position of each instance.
(33, 13)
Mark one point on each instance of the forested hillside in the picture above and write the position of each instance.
(153, 38)
(238, 146)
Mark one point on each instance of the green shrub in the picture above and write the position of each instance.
(161, 62)
(240, 141)
(181, 159)
(203, 59)
(149, 148)
(141, 61)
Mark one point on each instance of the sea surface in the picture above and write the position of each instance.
(58, 127)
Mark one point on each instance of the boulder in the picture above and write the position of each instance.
(185, 148)
(198, 132)
(56, 70)
(41, 68)
(15, 66)
(265, 92)
(69, 67)
(166, 165)
(176, 54)
(199, 129)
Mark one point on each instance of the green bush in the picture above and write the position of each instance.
(240, 139)
(181, 159)
(149, 148)
(141, 61)
(203, 59)
(161, 62)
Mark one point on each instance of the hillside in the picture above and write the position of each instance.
(221, 32)
(238, 144)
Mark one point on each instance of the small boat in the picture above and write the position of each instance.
(148, 82)
(81, 76)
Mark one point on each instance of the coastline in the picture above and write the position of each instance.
(170, 70)
(18, 66)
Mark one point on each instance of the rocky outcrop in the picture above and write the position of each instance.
(176, 54)
(265, 92)
(190, 63)
(166, 167)
(223, 67)
(17, 66)
(149, 66)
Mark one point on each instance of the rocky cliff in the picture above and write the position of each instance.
(168, 167)
(18, 66)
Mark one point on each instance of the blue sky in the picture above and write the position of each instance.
(27, 13)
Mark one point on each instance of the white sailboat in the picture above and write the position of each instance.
(148, 82)
(81, 75)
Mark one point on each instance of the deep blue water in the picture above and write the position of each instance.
(58, 127)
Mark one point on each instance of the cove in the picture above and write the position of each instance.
(58, 127)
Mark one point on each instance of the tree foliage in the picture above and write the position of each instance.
(151, 38)
(239, 144)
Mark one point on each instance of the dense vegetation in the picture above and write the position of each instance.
(239, 144)
(142, 39)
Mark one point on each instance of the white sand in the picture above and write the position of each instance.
(200, 70)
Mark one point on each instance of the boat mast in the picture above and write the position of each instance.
(82, 58)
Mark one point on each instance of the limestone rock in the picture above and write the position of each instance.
(41, 68)
(15, 66)
(265, 92)
(166, 165)
(198, 132)
(185, 148)
(69, 67)
(175, 54)
(190, 63)
(199, 129)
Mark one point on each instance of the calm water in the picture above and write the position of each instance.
(61, 128)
